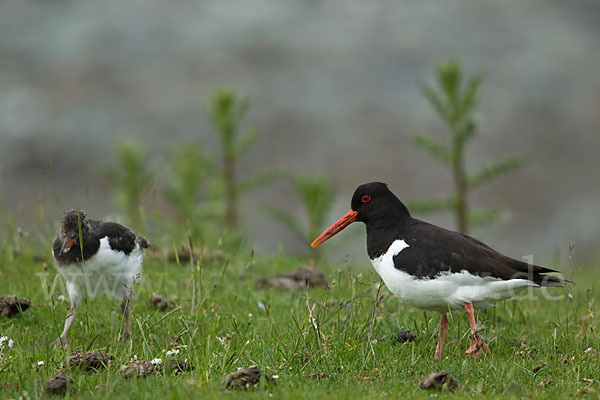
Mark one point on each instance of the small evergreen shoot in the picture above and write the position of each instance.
(317, 195)
(132, 182)
(455, 100)
(226, 111)
(187, 190)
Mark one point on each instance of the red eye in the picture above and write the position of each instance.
(365, 199)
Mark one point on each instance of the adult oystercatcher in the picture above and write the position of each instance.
(433, 268)
(97, 258)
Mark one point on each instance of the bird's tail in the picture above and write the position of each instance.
(142, 242)
(551, 281)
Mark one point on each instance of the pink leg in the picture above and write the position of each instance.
(126, 335)
(62, 339)
(443, 330)
(478, 342)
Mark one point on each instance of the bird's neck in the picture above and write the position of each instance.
(382, 232)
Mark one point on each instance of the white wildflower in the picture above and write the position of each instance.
(250, 314)
(61, 298)
(40, 363)
(588, 350)
(156, 361)
(275, 376)
(174, 351)
(221, 340)
(261, 305)
(9, 342)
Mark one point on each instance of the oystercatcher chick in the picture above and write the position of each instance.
(97, 258)
(433, 268)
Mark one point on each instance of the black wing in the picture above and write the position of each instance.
(433, 250)
(120, 238)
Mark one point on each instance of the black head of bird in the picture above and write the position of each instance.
(73, 225)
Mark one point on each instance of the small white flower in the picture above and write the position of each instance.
(61, 298)
(221, 340)
(2, 340)
(156, 361)
(261, 305)
(11, 343)
(174, 351)
(40, 363)
(586, 350)
(249, 314)
(275, 376)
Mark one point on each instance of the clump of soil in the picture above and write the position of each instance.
(243, 378)
(143, 368)
(13, 305)
(405, 336)
(90, 360)
(438, 380)
(158, 301)
(138, 369)
(58, 384)
(310, 276)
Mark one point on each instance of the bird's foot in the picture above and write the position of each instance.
(59, 344)
(478, 344)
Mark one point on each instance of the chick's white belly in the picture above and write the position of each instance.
(107, 272)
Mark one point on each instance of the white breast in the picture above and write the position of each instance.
(106, 272)
(449, 290)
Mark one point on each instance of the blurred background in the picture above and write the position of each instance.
(335, 90)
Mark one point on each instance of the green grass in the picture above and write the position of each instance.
(342, 332)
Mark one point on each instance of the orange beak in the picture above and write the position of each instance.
(346, 220)
(67, 246)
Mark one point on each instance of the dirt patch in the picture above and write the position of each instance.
(405, 336)
(143, 368)
(243, 378)
(138, 369)
(437, 381)
(310, 276)
(13, 305)
(158, 301)
(91, 360)
(58, 385)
